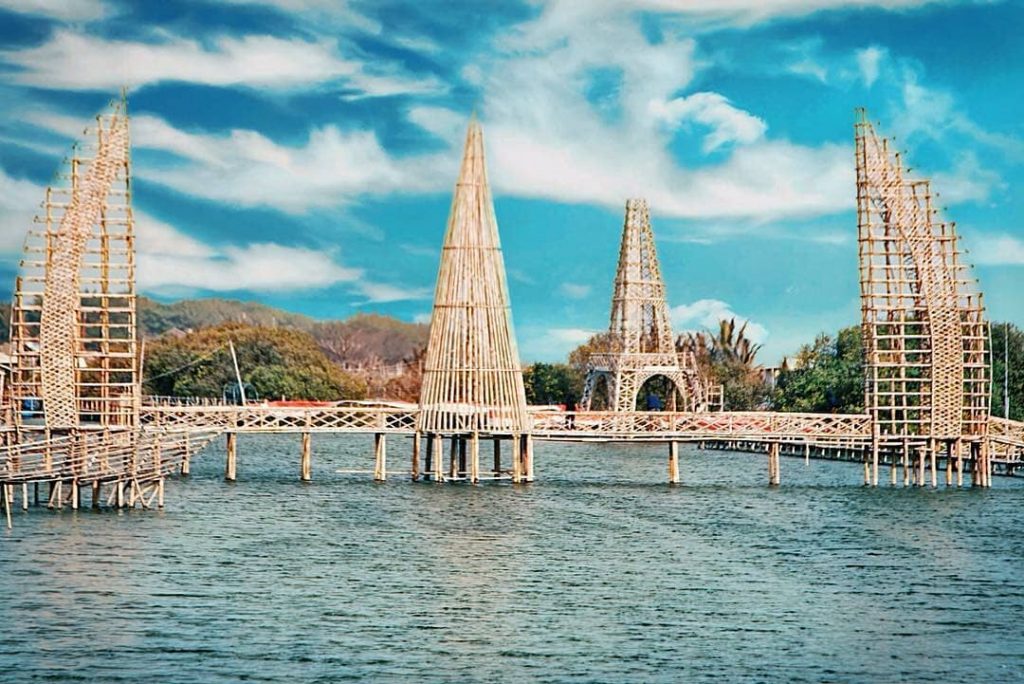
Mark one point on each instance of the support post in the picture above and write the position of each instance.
(960, 464)
(950, 448)
(186, 460)
(807, 453)
(673, 462)
(528, 458)
(416, 456)
(517, 459)
(95, 493)
(231, 466)
(933, 456)
(463, 470)
(874, 463)
(24, 496)
(438, 464)
(906, 465)
(774, 476)
(986, 470)
(474, 458)
(306, 459)
(160, 493)
(453, 455)
(380, 470)
(497, 457)
(920, 466)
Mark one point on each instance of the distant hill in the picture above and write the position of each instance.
(362, 340)
(193, 314)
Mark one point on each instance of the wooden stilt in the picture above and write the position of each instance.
(7, 506)
(807, 454)
(453, 455)
(673, 462)
(906, 466)
(517, 459)
(463, 471)
(416, 456)
(120, 493)
(986, 465)
(774, 476)
(920, 466)
(933, 456)
(497, 456)
(867, 472)
(231, 464)
(528, 474)
(960, 464)
(874, 463)
(438, 465)
(24, 496)
(186, 460)
(306, 459)
(893, 469)
(160, 493)
(95, 493)
(474, 458)
(35, 493)
(75, 490)
(949, 463)
(428, 462)
(380, 471)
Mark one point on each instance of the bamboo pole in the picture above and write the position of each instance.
(186, 460)
(933, 457)
(416, 456)
(474, 458)
(380, 471)
(673, 462)
(497, 456)
(960, 464)
(306, 458)
(438, 456)
(517, 459)
(528, 473)
(231, 464)
(453, 455)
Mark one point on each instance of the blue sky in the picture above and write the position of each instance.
(302, 152)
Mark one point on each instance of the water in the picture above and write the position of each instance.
(597, 572)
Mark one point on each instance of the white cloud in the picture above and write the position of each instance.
(727, 123)
(575, 291)
(707, 313)
(63, 10)
(19, 203)
(998, 250)
(246, 168)
(868, 61)
(966, 181)
(73, 61)
(379, 293)
(573, 336)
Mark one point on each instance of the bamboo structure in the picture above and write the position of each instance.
(73, 331)
(472, 378)
(925, 336)
(640, 343)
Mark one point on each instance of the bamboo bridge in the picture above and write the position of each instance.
(75, 350)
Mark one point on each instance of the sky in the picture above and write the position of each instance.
(302, 153)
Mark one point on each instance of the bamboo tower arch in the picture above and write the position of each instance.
(640, 340)
(472, 378)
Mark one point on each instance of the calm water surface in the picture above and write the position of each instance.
(597, 572)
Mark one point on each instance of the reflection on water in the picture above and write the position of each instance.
(597, 572)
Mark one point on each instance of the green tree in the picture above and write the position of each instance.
(827, 376)
(277, 362)
(729, 358)
(551, 383)
(1001, 333)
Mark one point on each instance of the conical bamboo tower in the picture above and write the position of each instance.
(472, 380)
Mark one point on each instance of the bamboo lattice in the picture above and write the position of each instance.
(640, 340)
(925, 336)
(73, 319)
(472, 378)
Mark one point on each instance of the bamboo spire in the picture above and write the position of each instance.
(472, 378)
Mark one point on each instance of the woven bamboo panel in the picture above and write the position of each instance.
(472, 378)
(925, 336)
(641, 343)
(73, 318)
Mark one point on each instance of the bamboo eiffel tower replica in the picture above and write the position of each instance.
(640, 341)
(472, 378)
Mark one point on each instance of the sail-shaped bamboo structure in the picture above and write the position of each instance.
(73, 325)
(472, 378)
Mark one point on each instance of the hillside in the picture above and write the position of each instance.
(192, 314)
